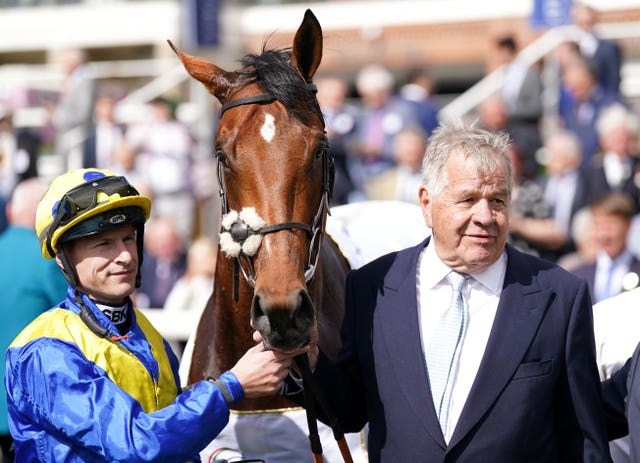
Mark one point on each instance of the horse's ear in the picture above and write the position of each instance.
(307, 46)
(215, 79)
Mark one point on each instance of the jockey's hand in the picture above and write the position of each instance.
(261, 372)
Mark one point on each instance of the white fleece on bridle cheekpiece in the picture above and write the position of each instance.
(250, 245)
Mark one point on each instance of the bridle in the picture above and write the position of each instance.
(240, 231)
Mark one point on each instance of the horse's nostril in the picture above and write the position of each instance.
(284, 324)
(259, 320)
(303, 314)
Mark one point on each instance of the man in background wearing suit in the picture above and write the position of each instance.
(615, 269)
(604, 55)
(513, 379)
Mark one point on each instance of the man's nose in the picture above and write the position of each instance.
(123, 253)
(482, 212)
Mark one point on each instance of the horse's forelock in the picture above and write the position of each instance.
(273, 73)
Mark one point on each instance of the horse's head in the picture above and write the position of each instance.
(275, 176)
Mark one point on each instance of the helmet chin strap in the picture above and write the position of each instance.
(86, 315)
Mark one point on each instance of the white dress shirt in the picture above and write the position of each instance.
(482, 294)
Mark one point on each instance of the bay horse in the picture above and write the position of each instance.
(277, 271)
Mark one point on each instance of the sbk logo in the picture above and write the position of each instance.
(116, 316)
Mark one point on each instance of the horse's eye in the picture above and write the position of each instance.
(222, 158)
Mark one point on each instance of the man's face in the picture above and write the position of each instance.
(611, 232)
(106, 264)
(469, 219)
(616, 140)
(579, 82)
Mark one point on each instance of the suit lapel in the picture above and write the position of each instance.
(520, 311)
(398, 321)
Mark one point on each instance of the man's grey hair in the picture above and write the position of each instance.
(488, 150)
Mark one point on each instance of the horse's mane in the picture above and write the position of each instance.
(273, 73)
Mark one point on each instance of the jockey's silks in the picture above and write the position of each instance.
(153, 386)
(76, 397)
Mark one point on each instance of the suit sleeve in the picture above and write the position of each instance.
(581, 416)
(614, 393)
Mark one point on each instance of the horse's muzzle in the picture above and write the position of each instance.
(284, 323)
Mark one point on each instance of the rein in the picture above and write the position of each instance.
(312, 395)
(240, 231)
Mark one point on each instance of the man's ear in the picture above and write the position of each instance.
(425, 205)
(62, 256)
(59, 262)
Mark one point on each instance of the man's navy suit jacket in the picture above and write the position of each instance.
(536, 397)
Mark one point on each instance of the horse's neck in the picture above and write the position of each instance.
(232, 330)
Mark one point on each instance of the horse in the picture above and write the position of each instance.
(279, 272)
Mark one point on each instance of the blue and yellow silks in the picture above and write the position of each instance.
(76, 397)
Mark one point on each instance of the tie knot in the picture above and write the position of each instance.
(456, 279)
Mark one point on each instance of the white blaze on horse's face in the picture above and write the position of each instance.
(268, 130)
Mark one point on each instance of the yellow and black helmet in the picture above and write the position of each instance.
(84, 202)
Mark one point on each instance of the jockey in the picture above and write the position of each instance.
(91, 380)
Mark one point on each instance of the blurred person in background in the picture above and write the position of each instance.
(29, 284)
(164, 155)
(522, 94)
(604, 55)
(123, 162)
(73, 112)
(583, 236)
(564, 186)
(615, 269)
(531, 225)
(403, 181)
(19, 149)
(586, 101)
(419, 90)
(164, 262)
(522, 87)
(190, 294)
(494, 116)
(383, 115)
(340, 118)
(563, 55)
(614, 168)
(104, 135)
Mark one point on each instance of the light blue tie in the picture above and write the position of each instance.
(608, 285)
(441, 350)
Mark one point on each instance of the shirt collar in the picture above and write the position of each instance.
(492, 277)
(623, 259)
